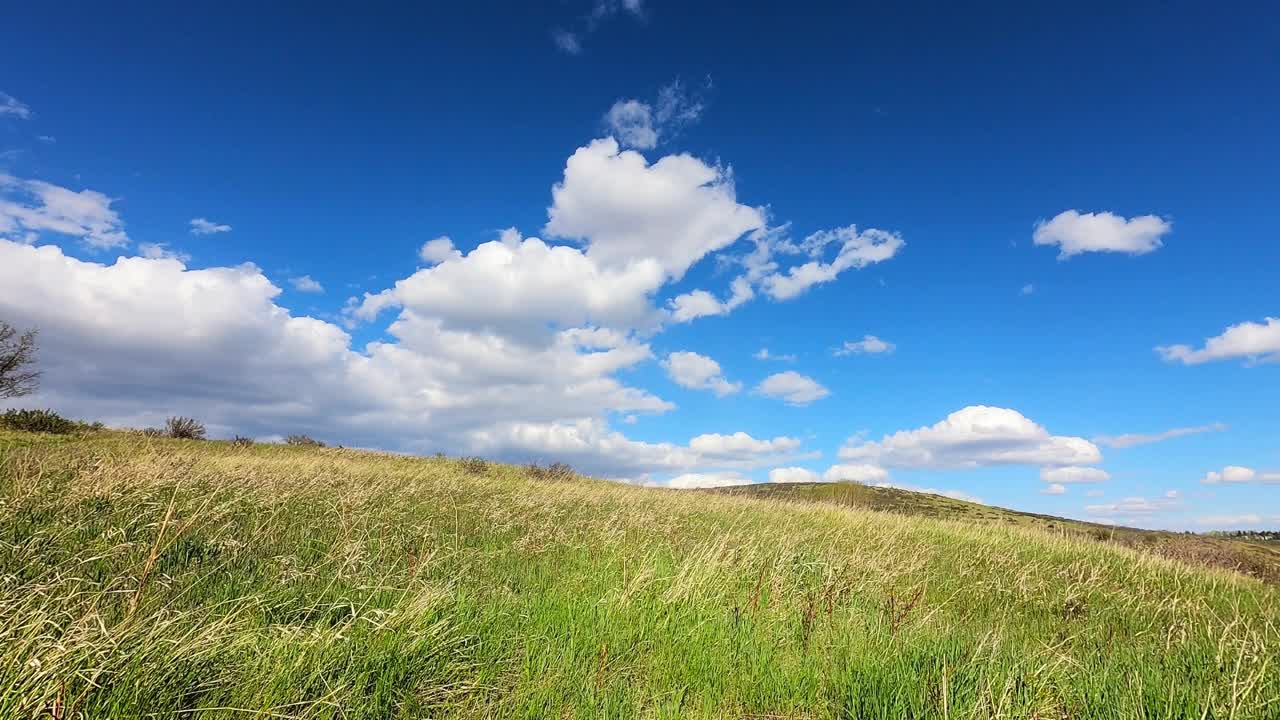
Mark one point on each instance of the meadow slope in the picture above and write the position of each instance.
(163, 578)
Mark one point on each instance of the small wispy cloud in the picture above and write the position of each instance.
(1028, 289)
(204, 226)
(868, 345)
(570, 41)
(764, 354)
(1132, 439)
(13, 107)
(306, 284)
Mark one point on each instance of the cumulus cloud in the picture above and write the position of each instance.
(1070, 475)
(131, 342)
(1075, 233)
(204, 226)
(438, 250)
(12, 107)
(522, 289)
(631, 122)
(856, 472)
(868, 345)
(589, 445)
(1256, 342)
(792, 388)
(626, 211)
(792, 475)
(306, 284)
(29, 208)
(1054, 489)
(1132, 439)
(699, 372)
(1240, 474)
(855, 250)
(973, 437)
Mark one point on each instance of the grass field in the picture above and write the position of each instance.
(144, 577)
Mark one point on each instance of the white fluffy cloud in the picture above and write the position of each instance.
(976, 436)
(1240, 474)
(161, 251)
(673, 212)
(1054, 489)
(1132, 439)
(524, 289)
(856, 250)
(590, 446)
(792, 388)
(691, 370)
(1071, 475)
(1257, 342)
(132, 342)
(868, 345)
(204, 226)
(11, 106)
(29, 208)
(438, 250)
(856, 472)
(792, 475)
(1075, 233)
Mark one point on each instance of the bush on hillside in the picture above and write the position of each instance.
(554, 471)
(475, 465)
(184, 428)
(241, 441)
(304, 440)
(46, 421)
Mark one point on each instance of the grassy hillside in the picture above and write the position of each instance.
(1256, 557)
(201, 579)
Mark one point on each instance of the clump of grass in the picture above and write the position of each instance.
(303, 440)
(242, 441)
(184, 428)
(45, 421)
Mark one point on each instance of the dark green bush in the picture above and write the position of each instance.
(305, 440)
(46, 421)
(184, 428)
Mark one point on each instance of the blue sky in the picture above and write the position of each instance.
(1018, 205)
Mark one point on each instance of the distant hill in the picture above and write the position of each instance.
(1255, 554)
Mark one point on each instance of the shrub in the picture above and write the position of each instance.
(241, 441)
(475, 465)
(46, 421)
(153, 432)
(554, 471)
(184, 428)
(304, 440)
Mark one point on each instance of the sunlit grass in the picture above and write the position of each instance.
(160, 577)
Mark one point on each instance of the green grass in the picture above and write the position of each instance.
(143, 577)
